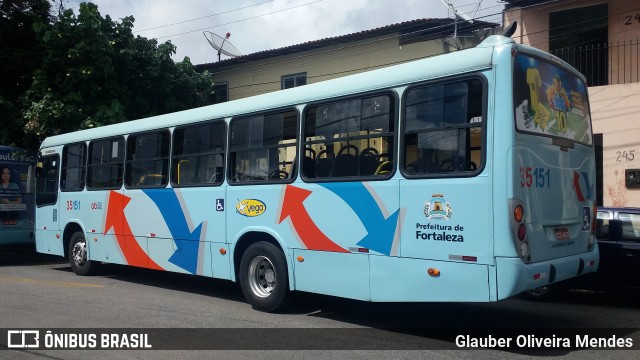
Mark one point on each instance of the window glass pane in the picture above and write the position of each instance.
(263, 147)
(105, 167)
(376, 114)
(550, 101)
(289, 83)
(602, 228)
(198, 154)
(73, 167)
(443, 128)
(147, 159)
(349, 138)
(630, 226)
(220, 92)
(47, 182)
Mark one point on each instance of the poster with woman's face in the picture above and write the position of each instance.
(16, 187)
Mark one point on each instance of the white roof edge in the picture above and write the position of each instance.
(464, 61)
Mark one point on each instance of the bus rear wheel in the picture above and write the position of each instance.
(263, 277)
(78, 258)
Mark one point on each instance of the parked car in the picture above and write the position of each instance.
(618, 234)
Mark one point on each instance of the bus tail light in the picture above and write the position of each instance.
(518, 213)
(522, 232)
(519, 229)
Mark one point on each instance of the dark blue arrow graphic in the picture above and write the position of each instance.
(586, 180)
(380, 231)
(187, 242)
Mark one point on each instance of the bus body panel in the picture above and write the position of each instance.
(442, 222)
(514, 278)
(340, 225)
(204, 209)
(558, 192)
(456, 282)
(171, 229)
(333, 273)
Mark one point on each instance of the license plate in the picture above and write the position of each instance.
(562, 234)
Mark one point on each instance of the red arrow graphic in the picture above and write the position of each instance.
(133, 253)
(308, 232)
(576, 185)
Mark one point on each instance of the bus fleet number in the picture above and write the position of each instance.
(73, 205)
(536, 177)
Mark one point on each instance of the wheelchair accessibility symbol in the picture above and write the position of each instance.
(219, 204)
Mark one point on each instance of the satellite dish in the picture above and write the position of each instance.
(458, 15)
(221, 44)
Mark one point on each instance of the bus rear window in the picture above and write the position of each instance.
(550, 101)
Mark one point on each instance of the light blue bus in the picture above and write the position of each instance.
(468, 176)
(17, 194)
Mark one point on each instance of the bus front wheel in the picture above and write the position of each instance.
(263, 277)
(80, 264)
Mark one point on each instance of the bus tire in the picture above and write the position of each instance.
(263, 277)
(80, 264)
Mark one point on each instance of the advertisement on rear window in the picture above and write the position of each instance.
(550, 101)
(15, 187)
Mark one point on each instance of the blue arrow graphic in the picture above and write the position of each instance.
(187, 242)
(586, 180)
(380, 231)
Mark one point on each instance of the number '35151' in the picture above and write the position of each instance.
(535, 177)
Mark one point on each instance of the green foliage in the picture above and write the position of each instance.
(95, 72)
(20, 55)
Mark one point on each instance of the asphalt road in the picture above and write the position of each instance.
(41, 292)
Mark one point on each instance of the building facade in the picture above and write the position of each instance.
(325, 59)
(599, 38)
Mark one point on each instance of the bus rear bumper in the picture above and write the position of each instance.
(514, 276)
(16, 237)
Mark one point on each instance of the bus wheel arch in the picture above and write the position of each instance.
(262, 270)
(69, 230)
(76, 250)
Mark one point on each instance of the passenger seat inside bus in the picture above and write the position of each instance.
(308, 167)
(346, 163)
(324, 163)
(369, 160)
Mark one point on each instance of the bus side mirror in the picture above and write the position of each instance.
(39, 170)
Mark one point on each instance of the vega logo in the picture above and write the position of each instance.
(250, 207)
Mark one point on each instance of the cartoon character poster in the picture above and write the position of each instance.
(549, 100)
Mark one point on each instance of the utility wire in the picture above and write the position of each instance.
(203, 17)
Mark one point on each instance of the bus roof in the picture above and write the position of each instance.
(459, 62)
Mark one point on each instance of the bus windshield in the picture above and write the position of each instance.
(550, 100)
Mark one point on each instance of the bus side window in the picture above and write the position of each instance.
(263, 147)
(147, 159)
(348, 137)
(198, 154)
(74, 159)
(105, 164)
(443, 131)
